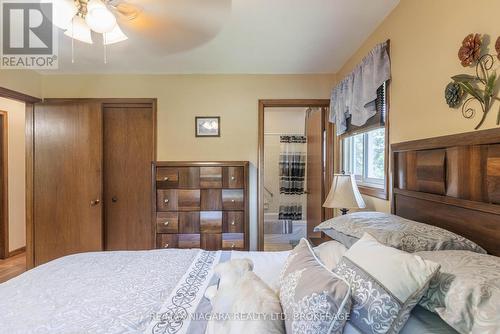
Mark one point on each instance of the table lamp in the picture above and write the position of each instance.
(344, 194)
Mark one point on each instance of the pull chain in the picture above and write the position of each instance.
(73, 41)
(105, 49)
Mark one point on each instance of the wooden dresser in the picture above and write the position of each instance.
(201, 205)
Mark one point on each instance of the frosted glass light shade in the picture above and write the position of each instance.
(344, 193)
(99, 18)
(115, 36)
(63, 12)
(79, 31)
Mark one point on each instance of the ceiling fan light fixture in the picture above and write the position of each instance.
(115, 36)
(79, 30)
(99, 18)
(63, 13)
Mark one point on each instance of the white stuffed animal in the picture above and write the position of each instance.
(242, 292)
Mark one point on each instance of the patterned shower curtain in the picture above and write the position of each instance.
(292, 177)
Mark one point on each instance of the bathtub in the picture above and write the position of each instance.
(280, 233)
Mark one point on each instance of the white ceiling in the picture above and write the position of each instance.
(238, 36)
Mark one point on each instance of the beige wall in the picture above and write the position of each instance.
(16, 169)
(181, 98)
(27, 82)
(425, 37)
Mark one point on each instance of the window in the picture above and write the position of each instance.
(364, 150)
(364, 156)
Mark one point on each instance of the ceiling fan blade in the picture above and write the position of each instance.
(172, 26)
(126, 10)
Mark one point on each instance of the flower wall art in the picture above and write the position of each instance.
(477, 91)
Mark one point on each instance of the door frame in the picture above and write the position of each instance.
(30, 113)
(288, 103)
(4, 186)
(29, 101)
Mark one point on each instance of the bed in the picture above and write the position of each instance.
(162, 291)
(135, 292)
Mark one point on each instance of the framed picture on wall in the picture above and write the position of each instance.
(207, 126)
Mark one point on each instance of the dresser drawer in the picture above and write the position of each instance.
(166, 200)
(233, 241)
(211, 199)
(167, 241)
(189, 177)
(233, 222)
(210, 177)
(211, 242)
(211, 222)
(167, 222)
(233, 177)
(188, 200)
(233, 200)
(167, 178)
(189, 241)
(189, 222)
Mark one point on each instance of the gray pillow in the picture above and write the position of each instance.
(314, 300)
(386, 284)
(466, 292)
(394, 231)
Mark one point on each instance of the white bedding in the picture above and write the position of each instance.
(119, 292)
(112, 292)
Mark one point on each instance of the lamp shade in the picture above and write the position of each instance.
(63, 12)
(79, 30)
(99, 18)
(344, 193)
(114, 36)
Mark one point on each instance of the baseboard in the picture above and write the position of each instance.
(17, 251)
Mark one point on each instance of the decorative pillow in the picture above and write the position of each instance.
(466, 292)
(330, 253)
(386, 284)
(394, 231)
(314, 299)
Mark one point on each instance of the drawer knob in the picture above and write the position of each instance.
(166, 223)
(232, 201)
(233, 245)
(166, 200)
(233, 223)
(165, 178)
(233, 178)
(166, 245)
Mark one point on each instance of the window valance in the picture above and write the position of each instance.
(355, 97)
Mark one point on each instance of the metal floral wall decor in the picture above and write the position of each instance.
(479, 90)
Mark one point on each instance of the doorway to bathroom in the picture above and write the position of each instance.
(293, 171)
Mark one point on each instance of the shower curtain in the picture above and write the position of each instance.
(292, 178)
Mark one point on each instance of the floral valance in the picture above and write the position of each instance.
(355, 96)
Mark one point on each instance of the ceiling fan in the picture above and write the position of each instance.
(79, 17)
(159, 26)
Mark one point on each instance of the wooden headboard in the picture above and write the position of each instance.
(452, 182)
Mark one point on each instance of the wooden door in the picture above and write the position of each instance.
(129, 150)
(315, 170)
(67, 179)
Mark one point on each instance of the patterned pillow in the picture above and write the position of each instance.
(466, 292)
(386, 284)
(394, 231)
(314, 299)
